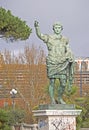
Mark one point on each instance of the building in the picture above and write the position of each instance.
(81, 77)
(31, 80)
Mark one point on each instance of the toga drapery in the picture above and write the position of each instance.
(59, 56)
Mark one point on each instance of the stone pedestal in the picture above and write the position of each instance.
(57, 119)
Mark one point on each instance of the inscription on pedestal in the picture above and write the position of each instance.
(62, 123)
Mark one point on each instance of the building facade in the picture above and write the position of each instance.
(30, 82)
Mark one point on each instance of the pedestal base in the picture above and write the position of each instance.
(57, 107)
(56, 119)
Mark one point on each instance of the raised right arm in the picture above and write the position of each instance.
(39, 34)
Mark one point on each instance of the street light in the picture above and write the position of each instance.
(13, 93)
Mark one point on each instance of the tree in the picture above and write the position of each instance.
(4, 120)
(27, 73)
(13, 28)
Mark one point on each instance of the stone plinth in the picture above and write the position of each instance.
(57, 119)
(57, 107)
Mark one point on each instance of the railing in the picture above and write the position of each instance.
(26, 127)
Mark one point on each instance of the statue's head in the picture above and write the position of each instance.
(57, 27)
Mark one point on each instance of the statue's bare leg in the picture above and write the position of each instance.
(61, 89)
(51, 90)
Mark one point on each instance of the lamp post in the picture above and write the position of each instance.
(81, 79)
(13, 93)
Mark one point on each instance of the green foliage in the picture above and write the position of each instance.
(83, 104)
(13, 28)
(69, 95)
(3, 116)
(79, 119)
(72, 92)
(85, 117)
(16, 116)
(85, 124)
(4, 120)
(6, 127)
(11, 117)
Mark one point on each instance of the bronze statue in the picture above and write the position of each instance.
(60, 60)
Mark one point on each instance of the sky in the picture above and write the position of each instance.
(72, 14)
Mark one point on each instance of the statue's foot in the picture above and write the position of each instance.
(53, 101)
(60, 101)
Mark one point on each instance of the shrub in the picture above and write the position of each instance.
(4, 120)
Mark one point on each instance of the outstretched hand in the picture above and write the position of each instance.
(36, 23)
